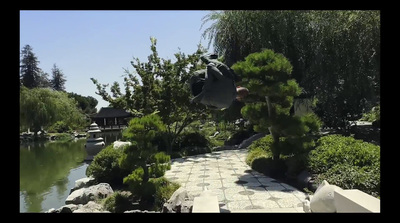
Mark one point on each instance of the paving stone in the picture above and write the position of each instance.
(237, 187)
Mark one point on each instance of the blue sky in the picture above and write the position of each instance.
(100, 44)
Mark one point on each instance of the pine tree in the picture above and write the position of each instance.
(29, 70)
(267, 75)
(58, 80)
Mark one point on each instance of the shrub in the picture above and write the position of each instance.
(104, 167)
(134, 180)
(238, 137)
(194, 139)
(260, 158)
(163, 191)
(257, 153)
(59, 127)
(118, 202)
(160, 164)
(347, 162)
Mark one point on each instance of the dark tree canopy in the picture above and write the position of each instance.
(335, 54)
(58, 80)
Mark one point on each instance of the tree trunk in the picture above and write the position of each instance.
(274, 134)
(146, 173)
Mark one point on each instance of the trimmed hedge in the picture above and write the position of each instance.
(346, 162)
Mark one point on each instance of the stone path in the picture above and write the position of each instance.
(237, 186)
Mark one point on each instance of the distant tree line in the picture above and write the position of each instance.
(44, 101)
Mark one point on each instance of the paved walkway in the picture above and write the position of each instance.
(237, 186)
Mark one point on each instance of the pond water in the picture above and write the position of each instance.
(49, 170)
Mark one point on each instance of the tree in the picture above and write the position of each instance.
(43, 80)
(335, 54)
(163, 87)
(29, 70)
(58, 80)
(267, 75)
(86, 104)
(42, 107)
(142, 157)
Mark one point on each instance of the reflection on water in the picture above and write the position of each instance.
(49, 170)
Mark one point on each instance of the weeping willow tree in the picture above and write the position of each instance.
(335, 54)
(267, 75)
(42, 107)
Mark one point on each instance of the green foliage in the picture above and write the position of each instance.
(194, 139)
(105, 167)
(142, 158)
(347, 162)
(160, 163)
(58, 80)
(42, 107)
(268, 76)
(86, 104)
(335, 54)
(143, 130)
(163, 87)
(135, 180)
(59, 127)
(257, 153)
(118, 202)
(163, 191)
(29, 70)
(373, 115)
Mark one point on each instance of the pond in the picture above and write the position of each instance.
(48, 171)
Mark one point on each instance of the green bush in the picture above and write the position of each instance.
(134, 180)
(59, 127)
(238, 137)
(260, 148)
(160, 164)
(194, 139)
(195, 150)
(118, 203)
(163, 191)
(105, 168)
(260, 159)
(257, 153)
(346, 162)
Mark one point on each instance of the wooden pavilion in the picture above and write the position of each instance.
(111, 118)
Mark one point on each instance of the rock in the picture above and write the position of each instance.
(83, 182)
(323, 198)
(247, 142)
(90, 207)
(180, 202)
(139, 211)
(306, 206)
(69, 208)
(84, 195)
(120, 144)
(51, 210)
(303, 179)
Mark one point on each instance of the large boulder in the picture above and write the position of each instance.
(83, 182)
(180, 202)
(90, 207)
(84, 195)
(323, 198)
(247, 142)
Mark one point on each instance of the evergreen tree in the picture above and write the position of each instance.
(142, 157)
(335, 54)
(43, 80)
(267, 75)
(29, 70)
(58, 80)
